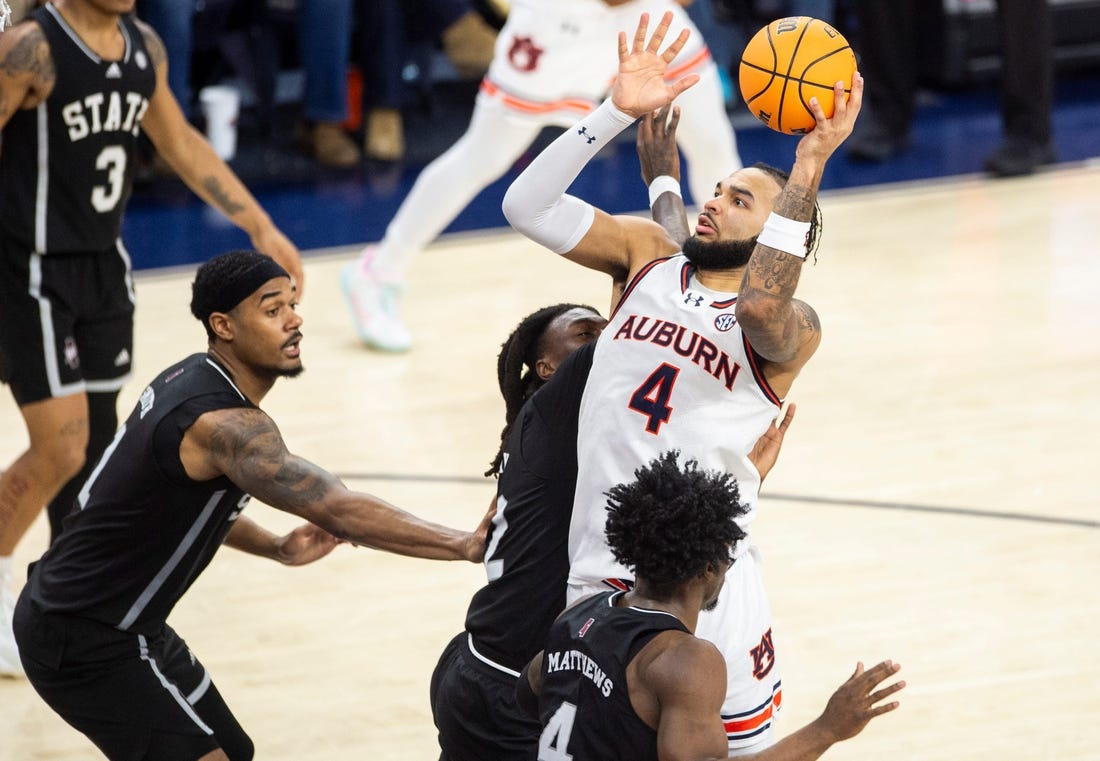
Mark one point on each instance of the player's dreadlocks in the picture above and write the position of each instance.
(522, 350)
(781, 176)
(673, 522)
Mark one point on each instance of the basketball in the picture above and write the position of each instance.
(788, 62)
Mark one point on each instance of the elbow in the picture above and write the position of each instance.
(756, 313)
(766, 328)
(513, 210)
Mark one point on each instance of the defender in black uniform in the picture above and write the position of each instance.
(527, 559)
(622, 675)
(79, 81)
(91, 622)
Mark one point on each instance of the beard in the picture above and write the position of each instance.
(719, 255)
(290, 372)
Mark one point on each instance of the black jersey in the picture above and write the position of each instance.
(67, 166)
(143, 530)
(585, 705)
(527, 558)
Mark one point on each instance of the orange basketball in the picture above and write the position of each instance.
(788, 62)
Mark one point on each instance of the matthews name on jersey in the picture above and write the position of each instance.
(584, 704)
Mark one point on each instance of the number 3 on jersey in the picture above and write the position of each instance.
(111, 159)
(651, 398)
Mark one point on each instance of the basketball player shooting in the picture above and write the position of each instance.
(703, 345)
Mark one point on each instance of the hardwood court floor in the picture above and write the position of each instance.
(936, 501)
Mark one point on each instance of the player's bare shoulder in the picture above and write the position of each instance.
(153, 43)
(27, 71)
(673, 654)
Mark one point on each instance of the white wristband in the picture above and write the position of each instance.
(786, 235)
(663, 184)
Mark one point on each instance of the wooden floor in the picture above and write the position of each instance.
(937, 501)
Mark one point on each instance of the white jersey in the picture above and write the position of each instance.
(672, 370)
(555, 60)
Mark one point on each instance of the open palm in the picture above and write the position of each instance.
(640, 86)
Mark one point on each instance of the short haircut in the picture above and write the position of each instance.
(226, 280)
(674, 522)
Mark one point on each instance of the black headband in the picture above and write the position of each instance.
(240, 285)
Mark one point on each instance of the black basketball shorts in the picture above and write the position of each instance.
(475, 710)
(66, 321)
(134, 696)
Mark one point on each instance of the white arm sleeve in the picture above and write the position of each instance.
(536, 203)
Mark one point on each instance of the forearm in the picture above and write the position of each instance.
(248, 536)
(806, 744)
(371, 522)
(195, 161)
(536, 203)
(667, 208)
(765, 304)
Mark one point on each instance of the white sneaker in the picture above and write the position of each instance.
(10, 665)
(373, 307)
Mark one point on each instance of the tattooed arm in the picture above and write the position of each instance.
(27, 72)
(194, 160)
(781, 329)
(245, 445)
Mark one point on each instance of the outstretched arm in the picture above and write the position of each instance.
(848, 711)
(536, 203)
(303, 545)
(687, 685)
(246, 446)
(660, 161)
(781, 329)
(194, 160)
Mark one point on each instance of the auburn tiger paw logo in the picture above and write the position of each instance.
(524, 54)
(763, 656)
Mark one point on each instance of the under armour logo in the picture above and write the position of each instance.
(583, 132)
(692, 299)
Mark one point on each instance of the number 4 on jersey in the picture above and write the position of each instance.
(554, 742)
(651, 398)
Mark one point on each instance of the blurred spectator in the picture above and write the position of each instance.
(325, 42)
(550, 67)
(390, 29)
(888, 61)
(172, 21)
